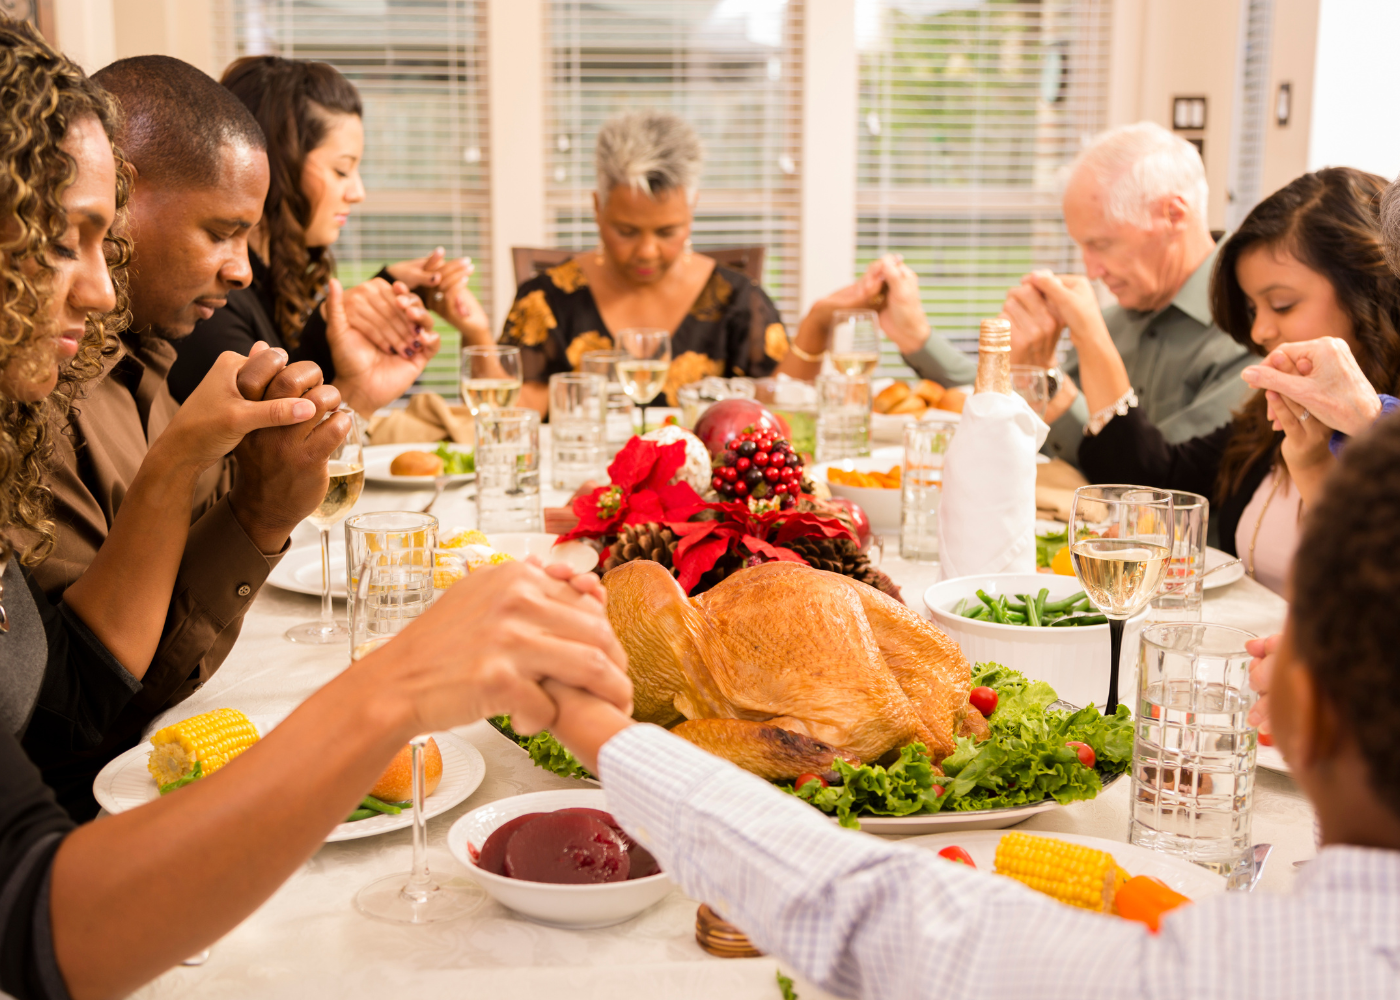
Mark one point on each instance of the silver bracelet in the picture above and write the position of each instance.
(1118, 408)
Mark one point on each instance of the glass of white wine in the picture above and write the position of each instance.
(490, 377)
(643, 372)
(1121, 542)
(392, 589)
(347, 479)
(855, 341)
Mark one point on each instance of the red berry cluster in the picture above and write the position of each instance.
(758, 463)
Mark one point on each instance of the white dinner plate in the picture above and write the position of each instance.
(379, 456)
(1214, 558)
(300, 570)
(125, 783)
(979, 819)
(1271, 758)
(1190, 880)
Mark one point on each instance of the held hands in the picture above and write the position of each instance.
(367, 376)
(1321, 376)
(1035, 326)
(1306, 435)
(1070, 298)
(388, 316)
(443, 286)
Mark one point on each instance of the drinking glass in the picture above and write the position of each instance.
(490, 377)
(1033, 385)
(578, 409)
(1193, 748)
(843, 416)
(1180, 598)
(508, 470)
(855, 341)
(925, 444)
(619, 422)
(1120, 540)
(643, 371)
(697, 397)
(347, 478)
(384, 534)
(393, 589)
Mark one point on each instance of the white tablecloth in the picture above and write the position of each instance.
(308, 941)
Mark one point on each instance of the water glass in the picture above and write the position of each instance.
(618, 429)
(1181, 595)
(795, 400)
(1193, 748)
(925, 444)
(697, 397)
(385, 535)
(578, 410)
(843, 417)
(1033, 385)
(508, 470)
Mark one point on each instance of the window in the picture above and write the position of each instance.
(968, 110)
(732, 68)
(420, 69)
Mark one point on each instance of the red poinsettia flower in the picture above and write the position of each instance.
(641, 490)
(763, 536)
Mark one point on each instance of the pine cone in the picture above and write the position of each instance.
(642, 541)
(841, 555)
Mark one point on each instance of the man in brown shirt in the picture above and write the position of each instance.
(201, 177)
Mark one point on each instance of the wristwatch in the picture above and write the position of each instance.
(1056, 378)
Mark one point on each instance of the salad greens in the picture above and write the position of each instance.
(1025, 761)
(785, 984)
(455, 463)
(544, 750)
(194, 775)
(1048, 544)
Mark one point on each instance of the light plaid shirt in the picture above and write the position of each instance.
(865, 917)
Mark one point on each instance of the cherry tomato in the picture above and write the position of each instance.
(939, 791)
(1085, 751)
(984, 699)
(1266, 740)
(957, 854)
(802, 779)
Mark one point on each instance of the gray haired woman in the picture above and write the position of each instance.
(644, 273)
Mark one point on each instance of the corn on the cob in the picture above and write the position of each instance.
(462, 538)
(1079, 876)
(213, 739)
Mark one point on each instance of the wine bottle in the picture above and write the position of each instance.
(994, 357)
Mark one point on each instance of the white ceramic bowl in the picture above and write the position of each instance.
(1072, 659)
(881, 506)
(580, 556)
(557, 905)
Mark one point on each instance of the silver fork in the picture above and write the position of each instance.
(439, 484)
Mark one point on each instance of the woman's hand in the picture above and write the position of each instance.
(1103, 378)
(902, 313)
(453, 301)
(388, 316)
(1305, 443)
(1261, 672)
(1321, 376)
(422, 272)
(367, 376)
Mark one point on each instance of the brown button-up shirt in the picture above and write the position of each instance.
(107, 438)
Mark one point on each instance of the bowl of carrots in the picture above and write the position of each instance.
(874, 483)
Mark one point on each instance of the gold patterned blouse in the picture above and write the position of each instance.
(732, 328)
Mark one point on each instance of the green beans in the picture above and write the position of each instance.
(360, 814)
(1034, 611)
(379, 806)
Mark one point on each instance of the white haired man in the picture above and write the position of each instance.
(1135, 204)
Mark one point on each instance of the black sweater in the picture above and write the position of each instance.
(1130, 449)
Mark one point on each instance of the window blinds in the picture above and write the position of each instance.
(420, 66)
(968, 110)
(731, 68)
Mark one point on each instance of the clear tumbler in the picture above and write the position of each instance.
(578, 410)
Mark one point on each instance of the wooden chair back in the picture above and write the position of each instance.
(530, 261)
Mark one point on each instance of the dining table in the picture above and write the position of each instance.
(308, 940)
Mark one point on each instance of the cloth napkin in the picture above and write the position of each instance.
(1055, 483)
(427, 417)
(986, 523)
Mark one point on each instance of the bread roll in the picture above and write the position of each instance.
(953, 399)
(396, 783)
(890, 397)
(930, 392)
(416, 463)
(909, 404)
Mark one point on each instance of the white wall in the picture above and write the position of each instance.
(1356, 93)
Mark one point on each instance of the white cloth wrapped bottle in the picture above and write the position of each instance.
(986, 523)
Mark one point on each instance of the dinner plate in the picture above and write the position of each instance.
(1271, 758)
(1214, 558)
(300, 571)
(125, 783)
(1190, 880)
(379, 456)
(979, 819)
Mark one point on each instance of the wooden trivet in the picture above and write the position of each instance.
(721, 938)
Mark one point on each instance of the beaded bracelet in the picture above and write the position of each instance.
(1118, 408)
(814, 359)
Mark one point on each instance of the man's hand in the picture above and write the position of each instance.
(1323, 377)
(367, 376)
(1035, 326)
(1071, 299)
(282, 475)
(488, 644)
(902, 313)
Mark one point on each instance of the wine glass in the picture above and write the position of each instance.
(855, 341)
(490, 377)
(392, 589)
(643, 371)
(1120, 543)
(347, 479)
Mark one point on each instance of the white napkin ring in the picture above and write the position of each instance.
(1118, 408)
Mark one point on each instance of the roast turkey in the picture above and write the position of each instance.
(782, 667)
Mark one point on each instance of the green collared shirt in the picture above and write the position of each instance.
(1184, 369)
